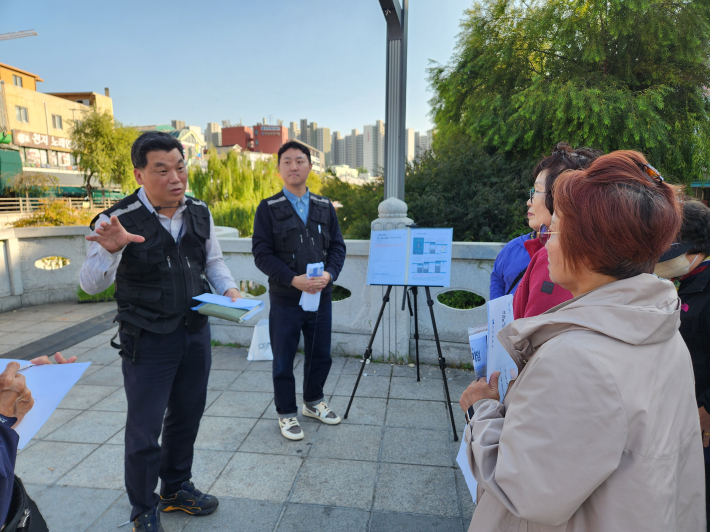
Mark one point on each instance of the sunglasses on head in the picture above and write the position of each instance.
(651, 172)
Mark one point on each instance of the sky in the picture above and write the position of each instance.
(216, 60)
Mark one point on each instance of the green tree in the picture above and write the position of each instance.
(359, 205)
(35, 182)
(482, 196)
(102, 147)
(611, 74)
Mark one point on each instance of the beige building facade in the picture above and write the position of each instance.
(40, 123)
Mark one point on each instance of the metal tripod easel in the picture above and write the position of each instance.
(442, 360)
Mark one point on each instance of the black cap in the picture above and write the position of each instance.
(677, 249)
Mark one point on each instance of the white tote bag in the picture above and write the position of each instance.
(260, 348)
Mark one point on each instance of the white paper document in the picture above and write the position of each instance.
(226, 301)
(388, 257)
(462, 461)
(49, 384)
(309, 302)
(500, 314)
(411, 257)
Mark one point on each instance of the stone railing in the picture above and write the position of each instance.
(22, 283)
(354, 317)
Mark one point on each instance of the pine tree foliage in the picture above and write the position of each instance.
(613, 74)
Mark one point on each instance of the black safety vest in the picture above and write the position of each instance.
(296, 243)
(156, 280)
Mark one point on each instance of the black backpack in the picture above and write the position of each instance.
(23, 515)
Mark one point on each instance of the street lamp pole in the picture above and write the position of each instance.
(395, 110)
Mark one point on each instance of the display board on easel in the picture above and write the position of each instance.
(410, 257)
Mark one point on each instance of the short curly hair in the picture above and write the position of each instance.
(563, 158)
(696, 226)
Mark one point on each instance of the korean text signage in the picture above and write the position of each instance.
(38, 140)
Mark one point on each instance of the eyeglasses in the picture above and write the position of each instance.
(651, 172)
(545, 234)
(533, 192)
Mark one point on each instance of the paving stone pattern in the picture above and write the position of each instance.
(389, 467)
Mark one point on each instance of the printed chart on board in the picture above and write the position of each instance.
(430, 257)
(411, 257)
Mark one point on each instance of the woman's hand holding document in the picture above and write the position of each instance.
(223, 307)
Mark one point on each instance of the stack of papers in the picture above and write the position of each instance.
(223, 307)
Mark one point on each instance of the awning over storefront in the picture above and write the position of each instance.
(10, 163)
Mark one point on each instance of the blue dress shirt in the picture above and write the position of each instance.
(299, 204)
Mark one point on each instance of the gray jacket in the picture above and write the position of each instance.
(600, 432)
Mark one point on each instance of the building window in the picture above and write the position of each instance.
(57, 122)
(17, 81)
(21, 114)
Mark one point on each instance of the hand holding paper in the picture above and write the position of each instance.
(46, 384)
(310, 300)
(15, 398)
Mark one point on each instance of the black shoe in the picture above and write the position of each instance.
(148, 522)
(190, 500)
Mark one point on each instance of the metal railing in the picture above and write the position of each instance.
(27, 205)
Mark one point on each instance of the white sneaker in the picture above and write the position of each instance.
(322, 412)
(290, 428)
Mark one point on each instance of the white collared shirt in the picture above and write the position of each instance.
(99, 269)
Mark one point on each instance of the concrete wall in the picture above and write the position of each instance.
(354, 317)
(23, 284)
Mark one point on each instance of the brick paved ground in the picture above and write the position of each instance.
(390, 467)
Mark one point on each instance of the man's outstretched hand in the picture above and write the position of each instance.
(112, 236)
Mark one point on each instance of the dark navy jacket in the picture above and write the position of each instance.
(8, 454)
(266, 256)
(511, 260)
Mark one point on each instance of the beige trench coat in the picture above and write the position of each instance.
(600, 432)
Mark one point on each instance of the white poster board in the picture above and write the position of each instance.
(410, 257)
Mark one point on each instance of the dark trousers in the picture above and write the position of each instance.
(707, 492)
(285, 327)
(170, 375)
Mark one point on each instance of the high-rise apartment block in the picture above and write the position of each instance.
(304, 130)
(359, 157)
(294, 132)
(422, 143)
(337, 144)
(312, 134)
(340, 150)
(324, 144)
(178, 124)
(213, 134)
(374, 148)
(351, 149)
(409, 145)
